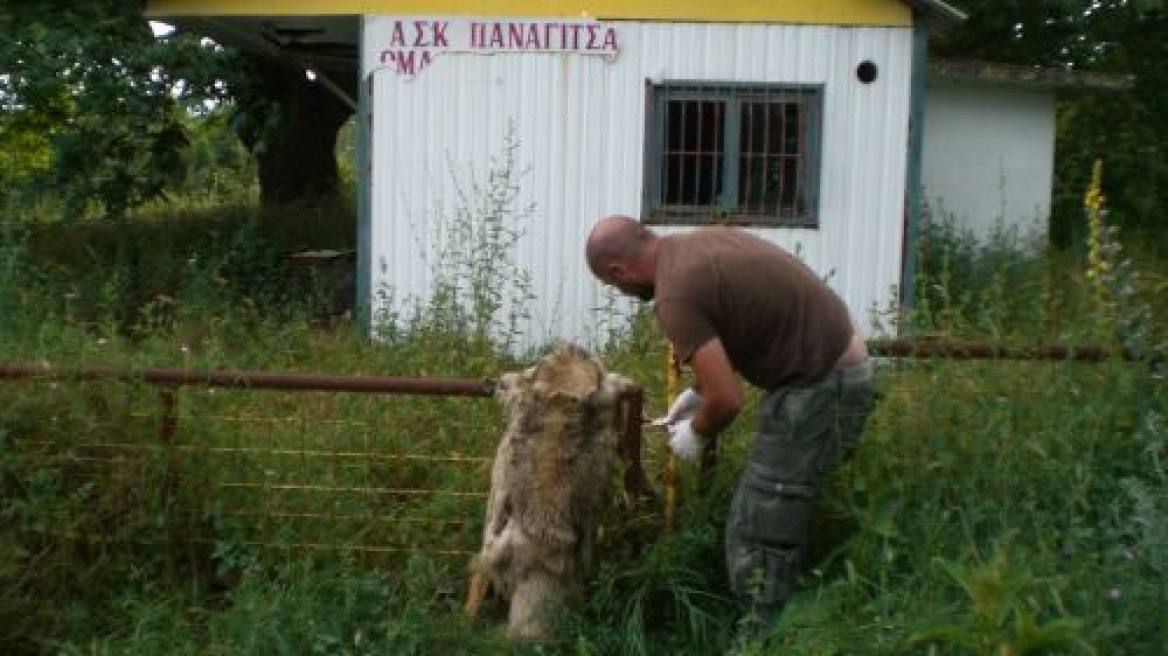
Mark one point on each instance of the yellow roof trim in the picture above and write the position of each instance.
(822, 12)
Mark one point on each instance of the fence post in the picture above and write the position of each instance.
(167, 429)
(168, 424)
(632, 441)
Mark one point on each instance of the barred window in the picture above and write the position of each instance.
(733, 154)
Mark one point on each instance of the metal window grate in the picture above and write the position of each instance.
(742, 154)
(694, 144)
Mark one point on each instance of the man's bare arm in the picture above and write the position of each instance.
(720, 388)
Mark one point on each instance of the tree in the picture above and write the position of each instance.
(1128, 130)
(91, 87)
(1027, 32)
(99, 104)
(291, 125)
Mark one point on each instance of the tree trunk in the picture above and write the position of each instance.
(295, 143)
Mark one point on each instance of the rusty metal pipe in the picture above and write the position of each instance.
(981, 351)
(263, 380)
(485, 387)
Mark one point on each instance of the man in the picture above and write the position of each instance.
(735, 305)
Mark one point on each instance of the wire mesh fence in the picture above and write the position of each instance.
(246, 462)
(261, 468)
(363, 473)
(243, 463)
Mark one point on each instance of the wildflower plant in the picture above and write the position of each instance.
(1124, 319)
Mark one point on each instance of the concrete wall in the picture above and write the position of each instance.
(989, 156)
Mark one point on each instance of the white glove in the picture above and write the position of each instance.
(685, 441)
(685, 406)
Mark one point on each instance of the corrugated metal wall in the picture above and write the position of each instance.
(579, 124)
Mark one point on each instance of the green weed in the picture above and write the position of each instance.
(992, 507)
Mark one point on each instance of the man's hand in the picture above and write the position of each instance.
(685, 441)
(685, 406)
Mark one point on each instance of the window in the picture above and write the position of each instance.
(731, 153)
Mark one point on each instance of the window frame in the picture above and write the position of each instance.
(731, 94)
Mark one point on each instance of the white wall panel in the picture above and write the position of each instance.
(580, 125)
(989, 157)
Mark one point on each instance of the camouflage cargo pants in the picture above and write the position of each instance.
(804, 433)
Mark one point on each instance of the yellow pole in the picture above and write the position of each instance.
(671, 376)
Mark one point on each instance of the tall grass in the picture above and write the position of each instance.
(478, 292)
(992, 508)
(1010, 288)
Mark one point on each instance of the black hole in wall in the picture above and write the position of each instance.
(866, 72)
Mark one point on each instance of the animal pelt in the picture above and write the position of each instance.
(553, 474)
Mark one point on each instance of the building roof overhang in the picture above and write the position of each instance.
(324, 35)
(830, 12)
(1033, 77)
(943, 13)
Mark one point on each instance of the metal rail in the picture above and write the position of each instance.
(263, 380)
(471, 387)
(903, 348)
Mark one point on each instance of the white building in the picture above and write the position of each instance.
(793, 119)
(989, 143)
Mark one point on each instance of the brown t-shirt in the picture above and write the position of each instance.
(778, 322)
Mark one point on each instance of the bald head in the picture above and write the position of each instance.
(616, 239)
(622, 252)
